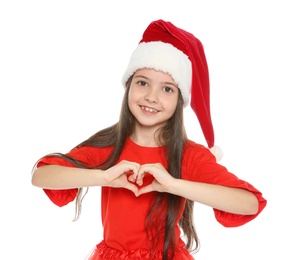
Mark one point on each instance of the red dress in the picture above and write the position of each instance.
(120, 206)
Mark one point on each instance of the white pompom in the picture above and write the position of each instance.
(217, 152)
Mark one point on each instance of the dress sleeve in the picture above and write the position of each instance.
(200, 165)
(63, 197)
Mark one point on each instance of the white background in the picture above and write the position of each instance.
(61, 64)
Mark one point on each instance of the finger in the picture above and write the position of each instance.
(146, 189)
(132, 188)
(131, 178)
(133, 169)
(140, 178)
(149, 168)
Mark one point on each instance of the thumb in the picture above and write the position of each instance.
(145, 189)
(132, 188)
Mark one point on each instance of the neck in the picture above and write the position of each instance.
(145, 136)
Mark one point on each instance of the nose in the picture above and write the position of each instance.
(151, 96)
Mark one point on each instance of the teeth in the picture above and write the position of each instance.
(148, 109)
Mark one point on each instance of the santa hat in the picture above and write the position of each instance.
(167, 48)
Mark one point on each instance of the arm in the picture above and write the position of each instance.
(233, 200)
(57, 177)
(227, 199)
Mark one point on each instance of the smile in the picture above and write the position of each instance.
(149, 109)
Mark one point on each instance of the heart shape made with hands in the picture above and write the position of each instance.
(144, 180)
(140, 179)
(150, 177)
(141, 186)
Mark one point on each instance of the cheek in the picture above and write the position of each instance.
(173, 109)
(133, 99)
(173, 103)
(133, 94)
(170, 105)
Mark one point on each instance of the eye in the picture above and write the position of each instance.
(142, 83)
(168, 89)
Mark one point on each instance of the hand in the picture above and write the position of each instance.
(117, 176)
(161, 182)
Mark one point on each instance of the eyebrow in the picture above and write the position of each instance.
(165, 82)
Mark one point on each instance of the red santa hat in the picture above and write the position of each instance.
(167, 48)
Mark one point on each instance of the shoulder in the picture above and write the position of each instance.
(195, 150)
(87, 155)
(84, 151)
(198, 163)
(91, 155)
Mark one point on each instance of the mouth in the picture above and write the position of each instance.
(149, 109)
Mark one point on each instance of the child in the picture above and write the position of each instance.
(149, 171)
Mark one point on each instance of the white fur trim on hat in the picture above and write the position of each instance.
(162, 57)
(217, 152)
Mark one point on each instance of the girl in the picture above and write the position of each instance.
(149, 171)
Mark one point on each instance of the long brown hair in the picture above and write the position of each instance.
(173, 137)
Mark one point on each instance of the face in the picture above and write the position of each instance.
(153, 97)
